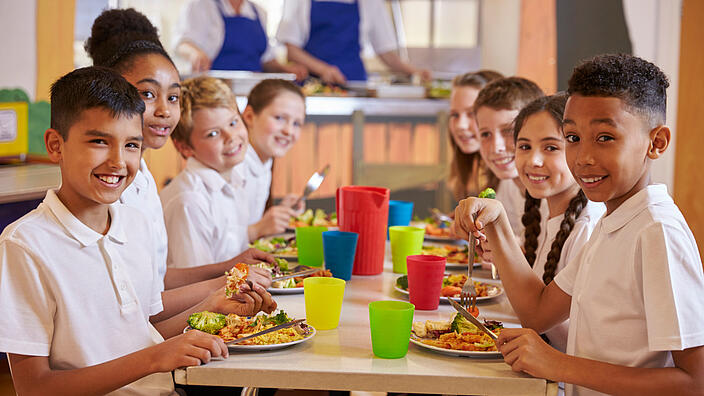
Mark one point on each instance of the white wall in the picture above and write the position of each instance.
(500, 24)
(18, 43)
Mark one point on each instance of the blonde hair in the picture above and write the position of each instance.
(201, 93)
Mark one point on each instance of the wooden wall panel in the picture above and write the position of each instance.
(329, 147)
(426, 145)
(375, 143)
(55, 20)
(400, 138)
(689, 180)
(537, 50)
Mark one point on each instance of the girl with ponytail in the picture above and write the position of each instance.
(552, 242)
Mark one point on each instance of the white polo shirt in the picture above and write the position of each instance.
(200, 23)
(143, 195)
(581, 231)
(375, 25)
(637, 287)
(206, 216)
(513, 199)
(79, 297)
(257, 182)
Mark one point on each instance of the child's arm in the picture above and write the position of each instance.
(247, 303)
(32, 375)
(525, 351)
(538, 306)
(274, 221)
(177, 277)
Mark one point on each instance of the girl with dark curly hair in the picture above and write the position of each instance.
(550, 242)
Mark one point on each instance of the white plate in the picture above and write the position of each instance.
(285, 290)
(271, 347)
(498, 291)
(453, 352)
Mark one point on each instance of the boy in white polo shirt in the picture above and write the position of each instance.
(634, 294)
(78, 275)
(205, 207)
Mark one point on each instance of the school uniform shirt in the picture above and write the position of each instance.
(374, 25)
(637, 287)
(203, 23)
(257, 182)
(513, 199)
(205, 215)
(79, 297)
(143, 195)
(581, 231)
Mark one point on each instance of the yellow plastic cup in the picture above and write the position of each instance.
(323, 298)
(405, 241)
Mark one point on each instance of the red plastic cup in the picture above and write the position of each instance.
(365, 210)
(425, 273)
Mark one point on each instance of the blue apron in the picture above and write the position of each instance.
(245, 42)
(334, 37)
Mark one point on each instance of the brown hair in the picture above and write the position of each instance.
(267, 90)
(201, 93)
(555, 106)
(510, 93)
(470, 166)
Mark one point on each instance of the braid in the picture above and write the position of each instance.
(573, 211)
(531, 222)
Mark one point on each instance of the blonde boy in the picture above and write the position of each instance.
(205, 206)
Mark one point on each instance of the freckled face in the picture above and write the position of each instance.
(218, 139)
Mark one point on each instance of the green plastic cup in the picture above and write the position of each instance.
(323, 297)
(405, 241)
(309, 241)
(390, 323)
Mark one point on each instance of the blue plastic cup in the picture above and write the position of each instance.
(400, 214)
(339, 248)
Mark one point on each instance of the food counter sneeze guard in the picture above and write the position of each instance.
(346, 106)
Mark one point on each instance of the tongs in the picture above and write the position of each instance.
(313, 183)
(279, 327)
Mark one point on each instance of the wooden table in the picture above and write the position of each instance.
(342, 359)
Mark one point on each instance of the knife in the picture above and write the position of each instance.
(279, 327)
(472, 319)
(295, 275)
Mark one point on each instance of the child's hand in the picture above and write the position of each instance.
(192, 348)
(248, 302)
(252, 256)
(525, 351)
(290, 201)
(485, 211)
(274, 221)
(260, 276)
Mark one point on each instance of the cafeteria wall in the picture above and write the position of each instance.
(18, 45)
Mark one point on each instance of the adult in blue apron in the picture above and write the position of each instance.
(245, 42)
(334, 37)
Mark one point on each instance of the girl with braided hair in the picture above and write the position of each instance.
(550, 243)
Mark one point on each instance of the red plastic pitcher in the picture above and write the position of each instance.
(365, 210)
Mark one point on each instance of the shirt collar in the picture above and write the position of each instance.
(213, 180)
(255, 164)
(652, 194)
(140, 179)
(79, 231)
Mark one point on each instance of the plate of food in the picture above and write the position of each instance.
(452, 287)
(456, 255)
(456, 337)
(292, 284)
(435, 231)
(281, 246)
(230, 327)
(310, 218)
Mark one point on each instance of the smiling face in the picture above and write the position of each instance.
(496, 140)
(463, 126)
(98, 159)
(541, 163)
(277, 127)
(218, 139)
(607, 148)
(157, 81)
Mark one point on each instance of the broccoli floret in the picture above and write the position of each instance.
(307, 216)
(209, 322)
(402, 282)
(279, 318)
(282, 263)
(488, 193)
(461, 325)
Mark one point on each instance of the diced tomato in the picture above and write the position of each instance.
(450, 291)
(475, 311)
(243, 267)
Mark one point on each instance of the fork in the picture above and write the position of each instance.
(439, 216)
(468, 296)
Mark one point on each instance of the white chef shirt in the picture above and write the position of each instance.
(637, 287)
(582, 230)
(200, 23)
(143, 195)
(375, 24)
(79, 297)
(513, 199)
(257, 182)
(206, 216)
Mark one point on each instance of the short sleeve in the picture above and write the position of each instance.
(566, 278)
(381, 33)
(200, 23)
(188, 226)
(26, 303)
(672, 287)
(294, 27)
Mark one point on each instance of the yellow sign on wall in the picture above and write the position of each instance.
(13, 129)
